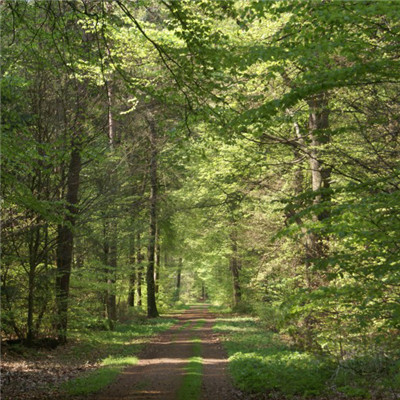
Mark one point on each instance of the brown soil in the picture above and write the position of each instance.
(160, 370)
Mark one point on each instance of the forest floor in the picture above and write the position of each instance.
(184, 356)
(90, 359)
(185, 362)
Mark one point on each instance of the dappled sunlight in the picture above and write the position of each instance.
(214, 361)
(161, 361)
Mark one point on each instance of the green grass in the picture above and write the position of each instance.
(221, 309)
(199, 324)
(91, 382)
(125, 340)
(261, 362)
(191, 384)
(96, 380)
(113, 350)
(185, 325)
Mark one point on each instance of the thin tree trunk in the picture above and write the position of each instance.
(113, 255)
(151, 298)
(65, 243)
(158, 263)
(31, 288)
(111, 298)
(320, 173)
(106, 251)
(132, 276)
(318, 128)
(235, 266)
(33, 261)
(139, 259)
(178, 279)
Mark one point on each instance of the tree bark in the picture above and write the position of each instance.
(111, 297)
(235, 266)
(113, 255)
(65, 242)
(157, 263)
(203, 291)
(132, 277)
(151, 298)
(31, 288)
(320, 173)
(318, 128)
(34, 242)
(140, 271)
(178, 280)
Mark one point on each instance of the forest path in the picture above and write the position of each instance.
(160, 372)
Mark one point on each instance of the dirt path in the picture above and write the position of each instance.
(160, 370)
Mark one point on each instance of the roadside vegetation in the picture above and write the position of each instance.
(262, 361)
(90, 361)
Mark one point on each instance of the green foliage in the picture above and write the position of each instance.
(260, 361)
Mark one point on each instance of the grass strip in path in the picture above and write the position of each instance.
(191, 384)
(185, 325)
(199, 324)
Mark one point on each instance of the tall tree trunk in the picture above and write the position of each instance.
(318, 125)
(139, 259)
(178, 279)
(320, 173)
(65, 242)
(151, 296)
(113, 255)
(34, 242)
(106, 251)
(235, 266)
(132, 275)
(158, 263)
(111, 296)
(31, 288)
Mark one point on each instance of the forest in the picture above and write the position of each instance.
(238, 155)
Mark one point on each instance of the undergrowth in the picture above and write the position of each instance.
(261, 362)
